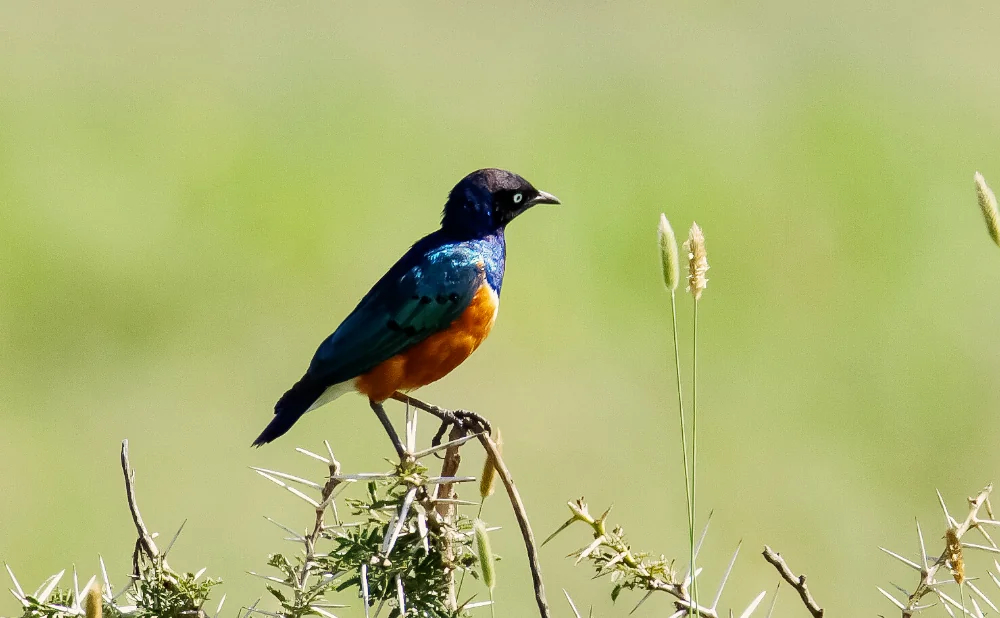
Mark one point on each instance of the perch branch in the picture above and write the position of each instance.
(512, 493)
(796, 581)
(469, 420)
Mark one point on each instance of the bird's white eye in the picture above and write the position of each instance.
(517, 198)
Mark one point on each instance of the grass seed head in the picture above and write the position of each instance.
(697, 261)
(489, 478)
(988, 204)
(668, 254)
(92, 603)
(955, 560)
(485, 554)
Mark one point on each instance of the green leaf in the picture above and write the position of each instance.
(277, 593)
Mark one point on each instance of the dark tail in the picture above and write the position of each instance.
(292, 405)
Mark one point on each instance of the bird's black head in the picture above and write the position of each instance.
(487, 200)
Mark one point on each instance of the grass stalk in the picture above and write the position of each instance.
(694, 447)
(683, 424)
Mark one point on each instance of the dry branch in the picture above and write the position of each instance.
(144, 542)
(796, 581)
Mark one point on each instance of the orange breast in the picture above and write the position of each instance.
(434, 357)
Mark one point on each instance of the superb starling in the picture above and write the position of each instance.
(426, 315)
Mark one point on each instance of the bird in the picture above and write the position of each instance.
(429, 312)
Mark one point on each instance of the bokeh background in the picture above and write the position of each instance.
(194, 194)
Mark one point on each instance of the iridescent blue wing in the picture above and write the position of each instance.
(421, 295)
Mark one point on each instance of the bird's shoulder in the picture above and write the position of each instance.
(424, 292)
(439, 261)
(430, 284)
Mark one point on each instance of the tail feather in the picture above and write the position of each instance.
(292, 405)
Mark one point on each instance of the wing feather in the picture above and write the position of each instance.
(401, 310)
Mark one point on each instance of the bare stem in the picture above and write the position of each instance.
(522, 521)
(144, 543)
(796, 581)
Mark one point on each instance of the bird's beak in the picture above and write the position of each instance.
(543, 198)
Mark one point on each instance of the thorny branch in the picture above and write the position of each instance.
(796, 581)
(624, 555)
(144, 544)
(951, 557)
(317, 531)
(512, 493)
(154, 590)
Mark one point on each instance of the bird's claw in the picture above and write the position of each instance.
(463, 420)
(472, 421)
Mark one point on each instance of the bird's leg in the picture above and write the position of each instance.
(389, 429)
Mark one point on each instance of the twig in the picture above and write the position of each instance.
(144, 543)
(796, 581)
(310, 539)
(512, 493)
(522, 522)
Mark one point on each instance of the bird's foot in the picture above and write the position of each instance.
(473, 422)
(464, 420)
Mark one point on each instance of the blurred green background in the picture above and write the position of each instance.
(194, 194)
